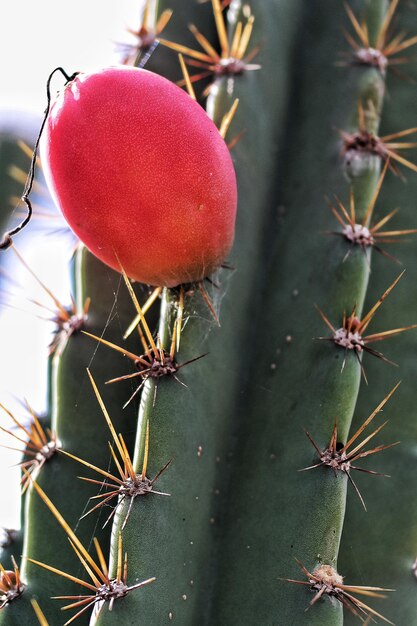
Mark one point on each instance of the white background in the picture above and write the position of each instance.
(35, 37)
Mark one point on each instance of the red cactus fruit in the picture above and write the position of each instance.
(141, 175)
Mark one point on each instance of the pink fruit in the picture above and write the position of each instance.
(141, 175)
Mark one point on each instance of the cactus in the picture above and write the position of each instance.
(212, 505)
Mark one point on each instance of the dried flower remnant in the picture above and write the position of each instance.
(11, 585)
(233, 58)
(7, 237)
(350, 336)
(363, 234)
(129, 484)
(325, 581)
(382, 55)
(341, 458)
(102, 587)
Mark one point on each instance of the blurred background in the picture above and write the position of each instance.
(36, 37)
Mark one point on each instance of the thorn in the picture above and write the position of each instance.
(129, 484)
(351, 336)
(102, 588)
(325, 580)
(340, 459)
(233, 60)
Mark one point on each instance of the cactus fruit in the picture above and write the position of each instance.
(155, 190)
(215, 414)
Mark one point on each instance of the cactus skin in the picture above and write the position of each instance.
(243, 411)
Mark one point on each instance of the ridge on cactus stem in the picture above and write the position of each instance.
(142, 175)
(325, 580)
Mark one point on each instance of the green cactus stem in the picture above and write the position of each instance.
(276, 513)
(384, 542)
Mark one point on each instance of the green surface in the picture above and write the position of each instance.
(274, 513)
